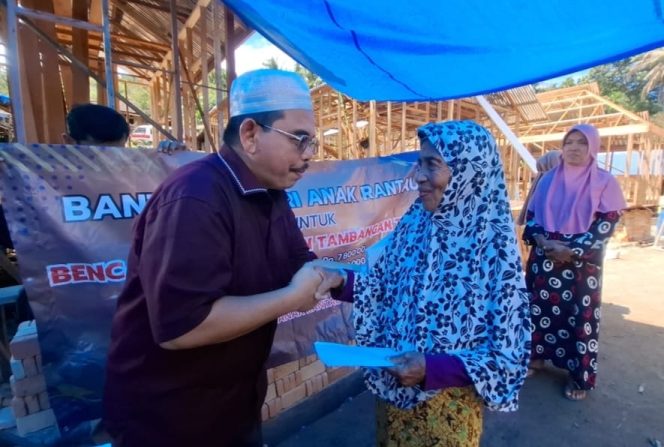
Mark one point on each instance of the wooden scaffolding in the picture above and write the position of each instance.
(57, 49)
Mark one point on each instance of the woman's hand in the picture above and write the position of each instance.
(558, 251)
(410, 368)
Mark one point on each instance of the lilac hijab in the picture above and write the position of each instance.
(567, 197)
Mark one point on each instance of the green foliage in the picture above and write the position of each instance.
(623, 82)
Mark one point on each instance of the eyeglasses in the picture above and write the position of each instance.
(304, 142)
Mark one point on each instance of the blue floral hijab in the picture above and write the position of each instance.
(451, 281)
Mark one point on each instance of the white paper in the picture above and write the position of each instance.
(336, 354)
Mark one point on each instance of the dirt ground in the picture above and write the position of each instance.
(626, 408)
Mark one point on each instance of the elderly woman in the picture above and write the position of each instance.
(571, 216)
(449, 293)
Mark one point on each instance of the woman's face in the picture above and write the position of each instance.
(575, 149)
(432, 176)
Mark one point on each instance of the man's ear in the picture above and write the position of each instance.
(67, 139)
(248, 132)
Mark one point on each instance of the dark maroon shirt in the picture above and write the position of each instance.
(209, 230)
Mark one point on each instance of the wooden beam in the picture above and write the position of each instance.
(182, 13)
(373, 150)
(120, 39)
(147, 26)
(177, 97)
(16, 84)
(80, 50)
(229, 20)
(403, 127)
(388, 134)
(82, 67)
(204, 75)
(49, 17)
(603, 131)
(190, 23)
(218, 78)
(450, 110)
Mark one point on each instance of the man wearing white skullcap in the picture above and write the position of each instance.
(216, 258)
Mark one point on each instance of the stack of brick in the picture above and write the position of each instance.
(291, 383)
(30, 403)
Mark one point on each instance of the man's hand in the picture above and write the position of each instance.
(304, 285)
(332, 278)
(168, 147)
(410, 368)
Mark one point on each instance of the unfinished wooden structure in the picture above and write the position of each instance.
(69, 51)
(65, 52)
(351, 129)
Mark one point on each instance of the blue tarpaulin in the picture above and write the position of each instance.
(425, 50)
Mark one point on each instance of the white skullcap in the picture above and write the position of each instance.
(269, 90)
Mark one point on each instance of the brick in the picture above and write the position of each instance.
(311, 358)
(279, 386)
(24, 346)
(17, 368)
(271, 392)
(30, 366)
(18, 407)
(286, 369)
(270, 375)
(318, 383)
(326, 380)
(294, 396)
(274, 407)
(334, 374)
(35, 422)
(312, 370)
(44, 403)
(265, 412)
(303, 362)
(32, 403)
(28, 386)
(309, 386)
(298, 378)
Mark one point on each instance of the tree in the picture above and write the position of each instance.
(652, 63)
(622, 85)
(272, 63)
(312, 79)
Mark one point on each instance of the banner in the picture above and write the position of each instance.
(70, 211)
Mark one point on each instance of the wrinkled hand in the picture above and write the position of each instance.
(332, 278)
(304, 285)
(410, 368)
(168, 147)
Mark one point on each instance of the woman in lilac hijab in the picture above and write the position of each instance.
(571, 216)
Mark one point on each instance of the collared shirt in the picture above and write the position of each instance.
(210, 230)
